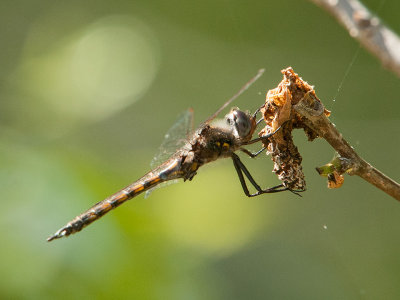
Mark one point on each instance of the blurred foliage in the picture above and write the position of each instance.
(88, 90)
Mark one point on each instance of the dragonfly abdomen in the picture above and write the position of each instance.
(166, 172)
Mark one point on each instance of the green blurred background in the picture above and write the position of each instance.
(88, 90)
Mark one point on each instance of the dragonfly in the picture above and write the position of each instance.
(213, 139)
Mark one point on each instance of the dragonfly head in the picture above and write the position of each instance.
(242, 123)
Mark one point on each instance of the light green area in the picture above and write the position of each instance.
(88, 91)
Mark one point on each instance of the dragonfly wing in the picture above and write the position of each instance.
(241, 91)
(174, 139)
(161, 185)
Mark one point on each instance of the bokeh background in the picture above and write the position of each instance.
(88, 90)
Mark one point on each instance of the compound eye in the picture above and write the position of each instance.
(242, 123)
(230, 120)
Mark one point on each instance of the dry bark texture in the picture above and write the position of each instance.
(294, 104)
(278, 111)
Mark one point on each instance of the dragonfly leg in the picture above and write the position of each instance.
(263, 138)
(256, 112)
(252, 154)
(255, 115)
(296, 192)
(241, 169)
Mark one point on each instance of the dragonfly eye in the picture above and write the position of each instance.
(229, 120)
(240, 121)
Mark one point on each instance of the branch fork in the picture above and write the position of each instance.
(307, 112)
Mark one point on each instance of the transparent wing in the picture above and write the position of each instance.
(241, 91)
(174, 139)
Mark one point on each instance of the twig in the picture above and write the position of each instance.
(316, 119)
(367, 29)
(308, 112)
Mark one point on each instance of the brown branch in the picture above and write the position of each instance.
(307, 111)
(355, 165)
(367, 29)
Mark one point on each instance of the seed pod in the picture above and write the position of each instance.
(278, 112)
(284, 154)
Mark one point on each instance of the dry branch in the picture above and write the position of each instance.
(367, 29)
(294, 104)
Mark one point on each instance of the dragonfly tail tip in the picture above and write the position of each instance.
(53, 237)
(59, 234)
